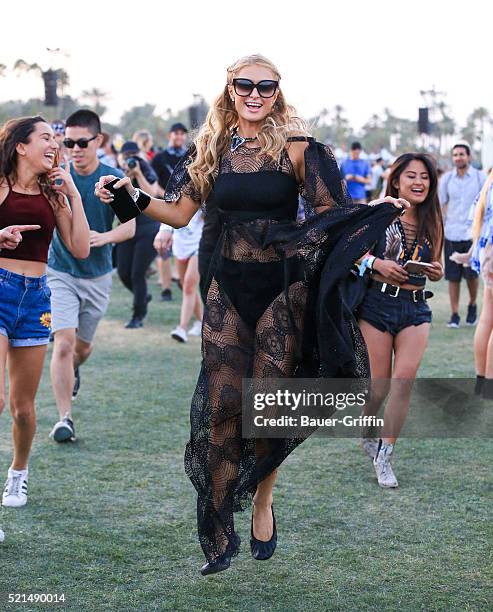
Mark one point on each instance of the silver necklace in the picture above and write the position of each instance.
(237, 140)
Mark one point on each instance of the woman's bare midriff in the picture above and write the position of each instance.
(26, 268)
(381, 279)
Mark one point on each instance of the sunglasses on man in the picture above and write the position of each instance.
(81, 143)
(245, 87)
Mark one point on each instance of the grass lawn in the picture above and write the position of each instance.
(111, 519)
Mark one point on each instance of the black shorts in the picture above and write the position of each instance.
(392, 314)
(453, 271)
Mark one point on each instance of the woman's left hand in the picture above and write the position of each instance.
(397, 202)
(435, 271)
(63, 176)
(97, 239)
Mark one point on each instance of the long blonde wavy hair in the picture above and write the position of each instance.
(481, 207)
(214, 136)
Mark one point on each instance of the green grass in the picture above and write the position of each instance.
(111, 520)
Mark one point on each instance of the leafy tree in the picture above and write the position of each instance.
(143, 117)
(474, 129)
(331, 126)
(374, 134)
(96, 98)
(35, 106)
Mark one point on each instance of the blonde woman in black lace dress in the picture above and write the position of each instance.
(270, 280)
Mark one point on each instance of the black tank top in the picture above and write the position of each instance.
(248, 186)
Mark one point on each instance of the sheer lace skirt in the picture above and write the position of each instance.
(270, 284)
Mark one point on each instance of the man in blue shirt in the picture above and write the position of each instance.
(357, 174)
(457, 191)
(80, 289)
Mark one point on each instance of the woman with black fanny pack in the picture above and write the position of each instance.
(394, 316)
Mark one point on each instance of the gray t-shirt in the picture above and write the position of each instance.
(100, 218)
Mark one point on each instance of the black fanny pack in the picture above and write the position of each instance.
(414, 295)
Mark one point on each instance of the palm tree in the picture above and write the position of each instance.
(22, 66)
(62, 77)
(96, 97)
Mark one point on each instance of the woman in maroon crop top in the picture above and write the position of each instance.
(34, 200)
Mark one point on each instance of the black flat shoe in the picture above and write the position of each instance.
(264, 550)
(218, 565)
(221, 563)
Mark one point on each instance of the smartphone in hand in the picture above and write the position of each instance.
(416, 267)
(123, 205)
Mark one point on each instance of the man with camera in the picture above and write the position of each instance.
(134, 256)
(163, 164)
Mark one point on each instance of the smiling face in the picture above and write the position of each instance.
(414, 183)
(41, 152)
(460, 158)
(253, 108)
(83, 158)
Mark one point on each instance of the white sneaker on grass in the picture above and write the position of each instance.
(2, 536)
(370, 446)
(196, 329)
(64, 430)
(383, 468)
(179, 334)
(15, 492)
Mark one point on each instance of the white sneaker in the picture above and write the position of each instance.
(196, 329)
(64, 430)
(370, 446)
(179, 334)
(2, 536)
(15, 492)
(383, 468)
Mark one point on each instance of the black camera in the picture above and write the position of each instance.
(132, 162)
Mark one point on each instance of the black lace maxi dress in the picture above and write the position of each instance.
(273, 309)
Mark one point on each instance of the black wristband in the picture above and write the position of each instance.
(143, 200)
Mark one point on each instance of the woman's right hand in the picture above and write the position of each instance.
(464, 259)
(106, 196)
(391, 271)
(397, 202)
(11, 237)
(163, 241)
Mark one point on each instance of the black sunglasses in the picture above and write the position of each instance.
(81, 143)
(265, 89)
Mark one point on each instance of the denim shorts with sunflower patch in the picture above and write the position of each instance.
(25, 310)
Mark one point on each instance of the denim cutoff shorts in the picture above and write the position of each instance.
(25, 310)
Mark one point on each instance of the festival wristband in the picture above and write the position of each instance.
(367, 263)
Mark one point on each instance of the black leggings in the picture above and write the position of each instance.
(134, 257)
